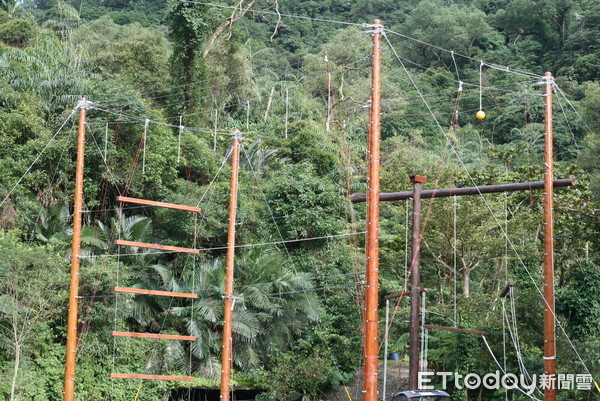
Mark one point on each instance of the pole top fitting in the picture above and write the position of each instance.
(236, 134)
(417, 178)
(376, 27)
(548, 78)
(83, 104)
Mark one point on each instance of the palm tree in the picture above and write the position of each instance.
(274, 304)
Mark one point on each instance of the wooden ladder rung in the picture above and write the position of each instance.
(158, 204)
(152, 335)
(157, 246)
(150, 377)
(142, 291)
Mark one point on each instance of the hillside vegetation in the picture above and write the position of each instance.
(298, 89)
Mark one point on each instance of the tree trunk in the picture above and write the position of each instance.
(466, 280)
(15, 371)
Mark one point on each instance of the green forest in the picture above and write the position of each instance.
(167, 81)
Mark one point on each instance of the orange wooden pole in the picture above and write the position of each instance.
(71, 351)
(226, 354)
(370, 313)
(549, 322)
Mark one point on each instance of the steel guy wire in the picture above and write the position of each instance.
(225, 247)
(491, 65)
(39, 155)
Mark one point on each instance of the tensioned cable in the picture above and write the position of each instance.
(461, 162)
(491, 65)
(236, 246)
(253, 284)
(274, 13)
(568, 123)
(571, 104)
(142, 119)
(503, 371)
(216, 176)
(325, 288)
(264, 66)
(39, 155)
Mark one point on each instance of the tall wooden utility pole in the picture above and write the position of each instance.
(370, 314)
(71, 352)
(228, 298)
(415, 283)
(549, 322)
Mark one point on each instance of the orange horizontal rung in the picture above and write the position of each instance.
(157, 246)
(152, 335)
(155, 292)
(158, 204)
(150, 377)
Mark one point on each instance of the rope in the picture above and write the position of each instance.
(504, 339)
(385, 352)
(181, 128)
(556, 87)
(461, 162)
(503, 371)
(423, 333)
(568, 123)
(481, 86)
(495, 66)
(38, 156)
(236, 246)
(454, 261)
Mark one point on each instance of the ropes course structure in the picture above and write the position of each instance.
(104, 109)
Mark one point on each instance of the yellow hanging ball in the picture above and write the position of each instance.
(480, 115)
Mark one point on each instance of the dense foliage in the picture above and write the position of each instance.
(169, 80)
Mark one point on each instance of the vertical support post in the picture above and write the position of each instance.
(415, 283)
(549, 322)
(228, 298)
(71, 351)
(370, 339)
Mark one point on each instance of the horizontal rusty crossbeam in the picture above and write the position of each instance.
(431, 326)
(157, 246)
(142, 291)
(152, 335)
(447, 192)
(506, 289)
(150, 377)
(158, 204)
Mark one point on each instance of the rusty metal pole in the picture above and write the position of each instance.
(71, 351)
(228, 298)
(370, 313)
(549, 322)
(415, 283)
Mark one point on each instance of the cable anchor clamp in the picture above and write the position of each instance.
(83, 104)
(375, 28)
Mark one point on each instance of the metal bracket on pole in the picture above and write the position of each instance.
(83, 104)
(375, 29)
